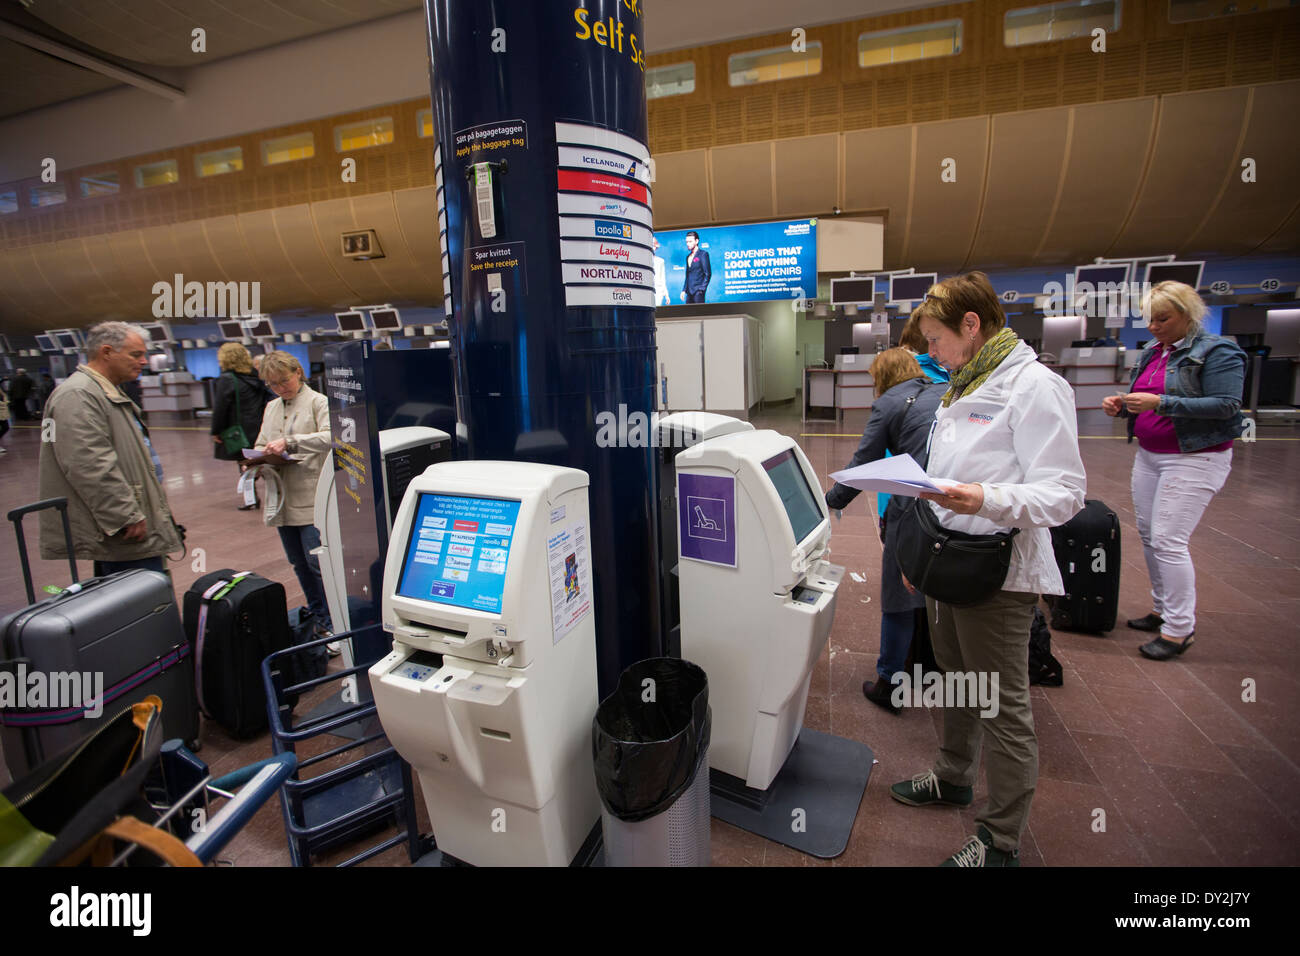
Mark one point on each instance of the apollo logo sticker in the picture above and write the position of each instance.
(706, 518)
(574, 228)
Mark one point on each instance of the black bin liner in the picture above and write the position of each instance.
(646, 753)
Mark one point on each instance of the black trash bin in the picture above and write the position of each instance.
(650, 742)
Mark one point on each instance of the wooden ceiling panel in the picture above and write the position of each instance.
(742, 183)
(1249, 212)
(91, 293)
(134, 273)
(284, 282)
(950, 169)
(807, 175)
(1024, 178)
(234, 260)
(417, 218)
(878, 176)
(681, 189)
(399, 270)
(1105, 157)
(1195, 148)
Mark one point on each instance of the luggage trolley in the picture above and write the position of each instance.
(338, 805)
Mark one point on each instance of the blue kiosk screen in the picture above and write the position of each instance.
(458, 551)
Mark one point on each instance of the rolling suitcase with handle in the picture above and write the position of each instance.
(70, 659)
(235, 620)
(1087, 552)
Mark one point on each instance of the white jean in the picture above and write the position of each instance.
(1170, 493)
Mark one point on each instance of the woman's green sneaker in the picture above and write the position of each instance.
(927, 790)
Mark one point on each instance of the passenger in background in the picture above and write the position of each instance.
(1007, 430)
(1184, 407)
(914, 341)
(238, 398)
(4, 416)
(900, 422)
(297, 423)
(21, 387)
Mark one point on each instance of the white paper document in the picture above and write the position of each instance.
(899, 475)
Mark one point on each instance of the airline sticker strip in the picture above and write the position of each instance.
(602, 179)
(442, 231)
(568, 562)
(604, 207)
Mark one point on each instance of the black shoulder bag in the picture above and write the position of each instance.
(951, 566)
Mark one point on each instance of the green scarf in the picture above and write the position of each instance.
(972, 375)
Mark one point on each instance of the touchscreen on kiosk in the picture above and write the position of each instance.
(458, 551)
(800, 505)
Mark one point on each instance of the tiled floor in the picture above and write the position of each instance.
(1186, 771)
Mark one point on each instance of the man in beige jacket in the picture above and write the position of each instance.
(95, 451)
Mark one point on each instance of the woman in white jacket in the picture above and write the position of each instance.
(297, 423)
(1006, 429)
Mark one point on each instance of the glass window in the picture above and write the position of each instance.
(1184, 11)
(909, 43)
(671, 80)
(1059, 21)
(157, 174)
(100, 184)
(219, 161)
(8, 202)
(50, 194)
(424, 124)
(363, 135)
(287, 149)
(781, 63)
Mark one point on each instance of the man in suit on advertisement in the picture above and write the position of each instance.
(698, 271)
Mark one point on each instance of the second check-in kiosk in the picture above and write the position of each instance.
(491, 686)
(757, 595)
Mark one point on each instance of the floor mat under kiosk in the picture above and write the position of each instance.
(812, 803)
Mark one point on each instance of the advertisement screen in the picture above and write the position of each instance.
(458, 550)
(748, 263)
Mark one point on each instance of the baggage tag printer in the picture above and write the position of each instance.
(490, 688)
(757, 595)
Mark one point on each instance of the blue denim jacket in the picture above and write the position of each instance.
(1203, 385)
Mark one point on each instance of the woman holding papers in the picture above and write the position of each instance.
(1184, 408)
(900, 424)
(297, 424)
(1006, 431)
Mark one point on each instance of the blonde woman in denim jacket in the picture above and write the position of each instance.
(1184, 408)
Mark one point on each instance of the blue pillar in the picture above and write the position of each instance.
(544, 207)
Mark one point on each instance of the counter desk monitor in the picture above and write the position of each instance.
(490, 688)
(757, 595)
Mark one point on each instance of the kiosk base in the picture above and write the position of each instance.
(824, 776)
(591, 853)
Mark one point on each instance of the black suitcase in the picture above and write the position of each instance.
(235, 620)
(1087, 552)
(121, 634)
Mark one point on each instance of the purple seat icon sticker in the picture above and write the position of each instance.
(706, 518)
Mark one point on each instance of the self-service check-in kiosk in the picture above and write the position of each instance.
(757, 595)
(675, 432)
(490, 688)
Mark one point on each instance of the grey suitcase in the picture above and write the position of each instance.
(119, 636)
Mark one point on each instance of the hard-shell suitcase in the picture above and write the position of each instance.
(119, 636)
(235, 620)
(1087, 552)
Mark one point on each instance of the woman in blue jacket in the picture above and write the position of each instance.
(900, 422)
(1184, 408)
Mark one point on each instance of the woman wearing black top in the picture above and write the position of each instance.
(238, 398)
